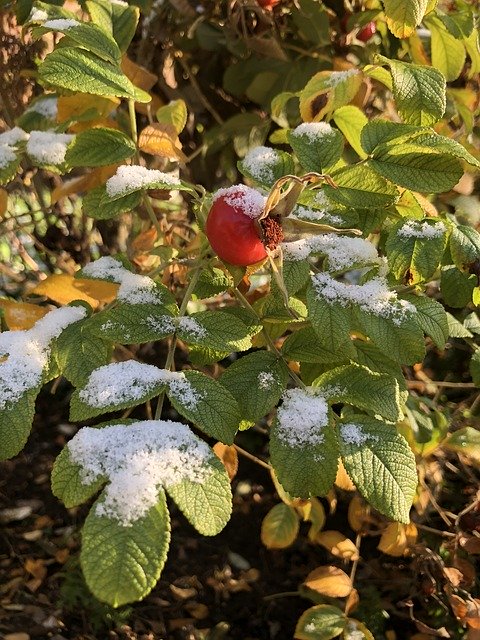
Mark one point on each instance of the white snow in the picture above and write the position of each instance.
(134, 177)
(352, 434)
(373, 296)
(259, 162)
(265, 380)
(342, 252)
(415, 229)
(119, 382)
(162, 324)
(137, 460)
(46, 107)
(64, 24)
(242, 198)
(301, 417)
(134, 288)
(339, 76)
(28, 352)
(314, 215)
(48, 147)
(38, 15)
(314, 131)
(13, 136)
(192, 327)
(7, 155)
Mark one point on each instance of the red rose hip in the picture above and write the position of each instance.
(232, 227)
(367, 32)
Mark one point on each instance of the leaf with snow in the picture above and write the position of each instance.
(206, 403)
(321, 622)
(375, 393)
(68, 483)
(216, 330)
(9, 163)
(133, 323)
(331, 322)
(131, 178)
(380, 463)
(207, 505)
(265, 165)
(122, 564)
(257, 382)
(317, 145)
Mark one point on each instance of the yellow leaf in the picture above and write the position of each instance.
(280, 527)
(144, 241)
(78, 127)
(229, 457)
(338, 545)
(161, 140)
(78, 104)
(94, 178)
(358, 514)
(321, 95)
(343, 480)
(317, 517)
(329, 581)
(397, 539)
(64, 288)
(137, 74)
(21, 315)
(3, 202)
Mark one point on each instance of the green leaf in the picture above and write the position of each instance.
(448, 53)
(67, 481)
(456, 329)
(331, 323)
(207, 505)
(98, 147)
(457, 287)
(403, 16)
(212, 281)
(174, 113)
(400, 339)
(380, 463)
(265, 166)
(465, 441)
(311, 19)
(96, 204)
(90, 37)
(280, 527)
(309, 469)
(77, 70)
(78, 353)
(316, 150)
(475, 368)
(369, 356)
(464, 246)
(415, 166)
(304, 346)
(124, 24)
(8, 168)
(216, 330)
(359, 186)
(350, 120)
(431, 318)
(375, 393)
(133, 323)
(215, 410)
(322, 622)
(295, 275)
(419, 92)
(257, 382)
(377, 132)
(415, 250)
(15, 424)
(122, 564)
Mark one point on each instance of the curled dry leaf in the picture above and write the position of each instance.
(358, 514)
(338, 545)
(229, 457)
(161, 140)
(329, 581)
(397, 539)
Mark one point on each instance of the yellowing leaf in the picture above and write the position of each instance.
(79, 104)
(3, 202)
(64, 288)
(324, 93)
(317, 517)
(356, 630)
(137, 74)
(343, 480)
(358, 514)
(329, 581)
(338, 545)
(397, 539)
(94, 178)
(161, 140)
(21, 315)
(229, 457)
(279, 527)
(174, 113)
(403, 16)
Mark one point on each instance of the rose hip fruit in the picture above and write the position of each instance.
(366, 32)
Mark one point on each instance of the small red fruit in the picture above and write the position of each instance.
(232, 227)
(268, 4)
(367, 32)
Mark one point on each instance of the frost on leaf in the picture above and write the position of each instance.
(301, 417)
(260, 163)
(138, 460)
(130, 178)
(48, 147)
(134, 288)
(119, 383)
(342, 252)
(28, 352)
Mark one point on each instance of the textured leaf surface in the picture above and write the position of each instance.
(331, 322)
(448, 52)
(90, 37)
(98, 147)
(67, 482)
(15, 424)
(216, 330)
(358, 186)
(216, 411)
(133, 323)
(122, 564)
(464, 246)
(403, 16)
(304, 346)
(351, 120)
(431, 318)
(317, 153)
(97, 205)
(457, 287)
(207, 505)
(380, 463)
(322, 622)
(280, 527)
(257, 382)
